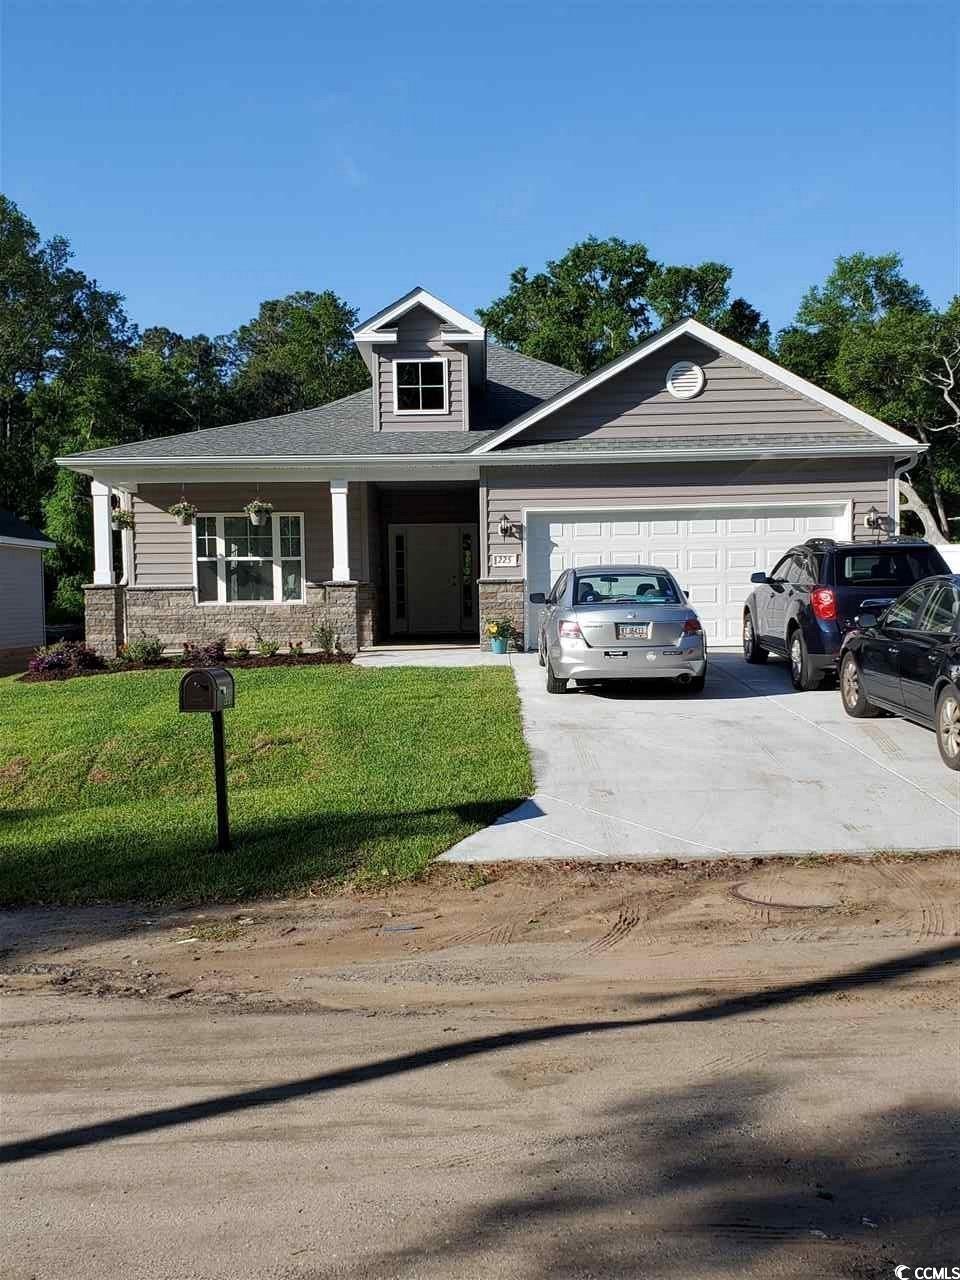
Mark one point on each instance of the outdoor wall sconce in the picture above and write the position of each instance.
(507, 530)
(880, 523)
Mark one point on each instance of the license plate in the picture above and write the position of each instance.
(633, 630)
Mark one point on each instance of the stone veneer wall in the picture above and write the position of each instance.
(103, 618)
(501, 598)
(171, 614)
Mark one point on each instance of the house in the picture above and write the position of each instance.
(22, 610)
(469, 475)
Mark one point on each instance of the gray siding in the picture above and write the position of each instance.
(636, 486)
(735, 400)
(163, 549)
(418, 338)
(21, 597)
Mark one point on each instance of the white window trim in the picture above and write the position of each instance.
(422, 413)
(221, 560)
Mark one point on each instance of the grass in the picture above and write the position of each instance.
(106, 791)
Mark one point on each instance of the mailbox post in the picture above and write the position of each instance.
(211, 689)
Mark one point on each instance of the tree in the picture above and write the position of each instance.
(871, 336)
(604, 296)
(296, 354)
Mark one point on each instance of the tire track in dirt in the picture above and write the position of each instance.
(629, 916)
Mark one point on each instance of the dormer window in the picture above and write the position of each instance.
(420, 386)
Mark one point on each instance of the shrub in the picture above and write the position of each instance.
(210, 654)
(266, 648)
(242, 651)
(325, 637)
(66, 657)
(147, 649)
(295, 647)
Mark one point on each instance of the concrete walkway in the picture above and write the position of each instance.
(748, 767)
(429, 655)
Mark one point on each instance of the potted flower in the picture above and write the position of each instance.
(259, 511)
(185, 512)
(500, 632)
(121, 519)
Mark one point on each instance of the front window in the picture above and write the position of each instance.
(623, 588)
(242, 563)
(420, 386)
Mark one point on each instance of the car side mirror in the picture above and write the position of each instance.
(538, 597)
(759, 577)
(864, 620)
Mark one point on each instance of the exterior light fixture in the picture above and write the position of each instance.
(505, 527)
(872, 518)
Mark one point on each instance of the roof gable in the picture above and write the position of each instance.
(804, 403)
(455, 326)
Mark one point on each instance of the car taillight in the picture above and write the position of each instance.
(571, 630)
(692, 627)
(824, 604)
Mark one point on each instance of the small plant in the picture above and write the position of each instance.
(266, 648)
(295, 647)
(242, 651)
(210, 654)
(500, 631)
(325, 637)
(185, 512)
(121, 519)
(259, 511)
(147, 649)
(66, 657)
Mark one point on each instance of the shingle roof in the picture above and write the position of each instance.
(515, 384)
(12, 526)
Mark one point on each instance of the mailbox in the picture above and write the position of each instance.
(206, 689)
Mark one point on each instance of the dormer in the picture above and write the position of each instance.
(424, 358)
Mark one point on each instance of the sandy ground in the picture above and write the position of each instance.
(724, 1069)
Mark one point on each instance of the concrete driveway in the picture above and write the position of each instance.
(748, 767)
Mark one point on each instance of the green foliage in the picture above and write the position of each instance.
(297, 353)
(604, 296)
(324, 636)
(334, 773)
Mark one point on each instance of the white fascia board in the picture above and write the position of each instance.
(710, 338)
(28, 544)
(417, 298)
(375, 335)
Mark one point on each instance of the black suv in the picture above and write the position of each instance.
(810, 599)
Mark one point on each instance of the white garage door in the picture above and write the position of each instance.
(711, 551)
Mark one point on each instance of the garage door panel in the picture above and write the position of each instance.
(712, 553)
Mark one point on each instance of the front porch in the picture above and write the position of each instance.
(380, 562)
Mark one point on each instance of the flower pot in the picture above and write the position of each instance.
(185, 519)
(259, 518)
(498, 644)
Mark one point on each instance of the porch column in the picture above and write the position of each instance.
(102, 535)
(341, 537)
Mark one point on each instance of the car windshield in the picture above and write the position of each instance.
(884, 567)
(637, 588)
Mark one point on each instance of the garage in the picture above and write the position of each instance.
(712, 551)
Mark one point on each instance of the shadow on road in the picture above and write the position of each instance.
(363, 1073)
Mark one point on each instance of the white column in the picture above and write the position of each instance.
(341, 535)
(102, 535)
(126, 541)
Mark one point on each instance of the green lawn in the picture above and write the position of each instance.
(106, 791)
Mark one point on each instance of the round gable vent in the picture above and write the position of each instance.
(685, 380)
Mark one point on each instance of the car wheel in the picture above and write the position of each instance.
(553, 684)
(948, 727)
(855, 701)
(753, 650)
(803, 674)
(696, 684)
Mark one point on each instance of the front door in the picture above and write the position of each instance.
(433, 585)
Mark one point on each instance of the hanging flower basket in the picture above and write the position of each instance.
(185, 512)
(259, 511)
(121, 519)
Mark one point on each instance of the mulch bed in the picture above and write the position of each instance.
(255, 660)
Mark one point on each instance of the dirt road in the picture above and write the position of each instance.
(679, 1071)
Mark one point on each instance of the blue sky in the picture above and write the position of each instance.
(202, 156)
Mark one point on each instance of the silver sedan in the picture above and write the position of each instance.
(613, 622)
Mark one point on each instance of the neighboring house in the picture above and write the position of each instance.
(471, 476)
(22, 612)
